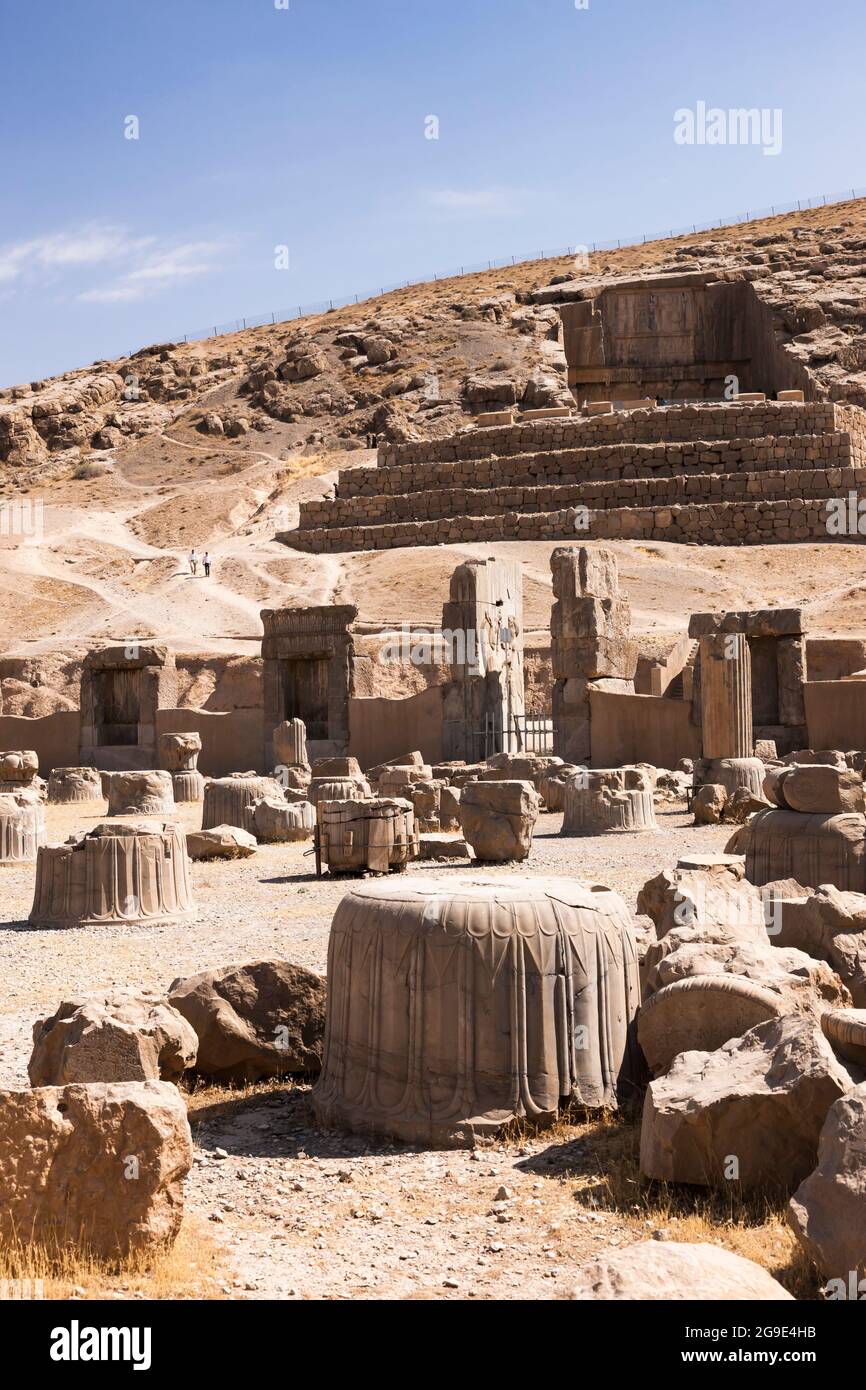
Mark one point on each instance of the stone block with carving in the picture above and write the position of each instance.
(22, 826)
(18, 767)
(119, 872)
(140, 793)
(498, 818)
(600, 801)
(814, 849)
(338, 789)
(230, 800)
(290, 743)
(70, 784)
(458, 1004)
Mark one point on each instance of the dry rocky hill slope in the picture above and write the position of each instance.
(119, 468)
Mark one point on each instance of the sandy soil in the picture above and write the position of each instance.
(295, 1212)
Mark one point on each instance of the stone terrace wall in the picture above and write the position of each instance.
(731, 523)
(626, 427)
(840, 450)
(424, 503)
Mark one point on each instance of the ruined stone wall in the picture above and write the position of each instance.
(638, 426)
(592, 463)
(822, 477)
(723, 523)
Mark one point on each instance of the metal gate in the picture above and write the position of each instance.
(524, 733)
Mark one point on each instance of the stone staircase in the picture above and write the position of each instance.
(722, 474)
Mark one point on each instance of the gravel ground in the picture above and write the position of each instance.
(299, 1213)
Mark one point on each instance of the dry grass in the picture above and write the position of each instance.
(189, 1269)
(599, 1155)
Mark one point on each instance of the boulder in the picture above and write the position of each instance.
(121, 1036)
(265, 1018)
(831, 926)
(668, 1270)
(97, 1168)
(708, 803)
(750, 1112)
(449, 808)
(278, 821)
(828, 1211)
(498, 818)
(223, 842)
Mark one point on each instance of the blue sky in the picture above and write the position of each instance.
(304, 127)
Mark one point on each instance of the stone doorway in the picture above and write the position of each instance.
(118, 707)
(305, 693)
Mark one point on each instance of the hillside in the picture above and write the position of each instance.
(215, 443)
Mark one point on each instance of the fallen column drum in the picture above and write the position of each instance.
(458, 1004)
(121, 871)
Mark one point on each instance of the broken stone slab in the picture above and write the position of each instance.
(333, 768)
(96, 1168)
(140, 793)
(498, 818)
(449, 808)
(831, 926)
(122, 1036)
(279, 821)
(749, 1113)
(263, 1018)
(671, 1270)
(442, 846)
(708, 803)
(828, 1211)
(221, 842)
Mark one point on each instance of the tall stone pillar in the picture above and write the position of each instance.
(590, 644)
(726, 695)
(482, 627)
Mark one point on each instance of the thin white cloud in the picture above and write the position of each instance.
(136, 267)
(160, 270)
(86, 246)
(481, 200)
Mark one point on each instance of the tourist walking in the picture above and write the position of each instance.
(193, 562)
(205, 559)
